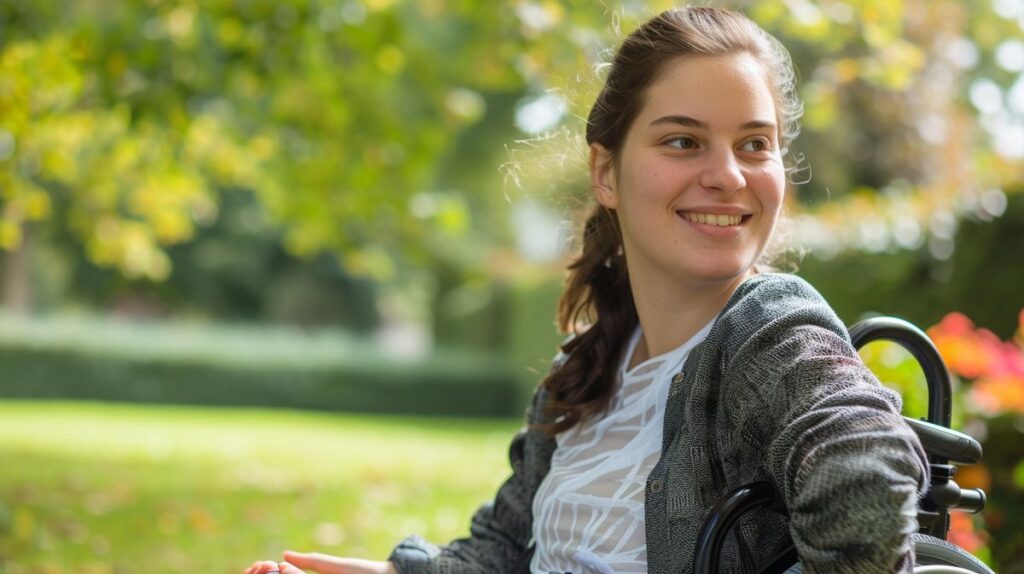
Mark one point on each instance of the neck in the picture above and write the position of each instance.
(671, 316)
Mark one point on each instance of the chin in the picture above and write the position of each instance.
(719, 276)
(712, 272)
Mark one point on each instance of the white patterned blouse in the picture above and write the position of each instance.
(589, 510)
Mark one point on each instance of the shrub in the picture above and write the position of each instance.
(218, 365)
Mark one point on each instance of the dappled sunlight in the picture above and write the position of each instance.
(159, 489)
(368, 206)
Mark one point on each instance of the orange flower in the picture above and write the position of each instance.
(974, 476)
(961, 532)
(956, 323)
(998, 394)
(1010, 361)
(973, 353)
(966, 353)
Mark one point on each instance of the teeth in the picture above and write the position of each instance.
(719, 220)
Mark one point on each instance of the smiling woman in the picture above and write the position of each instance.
(698, 183)
(689, 370)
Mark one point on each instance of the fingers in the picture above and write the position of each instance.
(323, 563)
(262, 567)
(301, 559)
(287, 568)
(327, 564)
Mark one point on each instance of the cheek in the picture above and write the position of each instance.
(770, 183)
(659, 179)
(647, 182)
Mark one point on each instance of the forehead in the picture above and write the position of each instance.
(719, 90)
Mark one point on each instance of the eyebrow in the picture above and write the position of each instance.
(687, 121)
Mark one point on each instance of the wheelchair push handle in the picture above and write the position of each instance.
(914, 340)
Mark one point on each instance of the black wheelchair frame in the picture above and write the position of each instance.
(945, 448)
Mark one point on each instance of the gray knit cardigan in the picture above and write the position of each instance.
(776, 392)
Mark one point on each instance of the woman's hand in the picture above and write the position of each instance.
(322, 564)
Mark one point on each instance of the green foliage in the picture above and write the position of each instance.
(108, 488)
(349, 121)
(981, 278)
(333, 114)
(267, 367)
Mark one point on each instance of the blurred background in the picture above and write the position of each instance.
(282, 274)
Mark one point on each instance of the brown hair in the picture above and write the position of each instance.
(597, 305)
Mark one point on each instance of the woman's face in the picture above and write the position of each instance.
(699, 180)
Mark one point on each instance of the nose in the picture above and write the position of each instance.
(722, 172)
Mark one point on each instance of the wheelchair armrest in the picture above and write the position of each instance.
(945, 442)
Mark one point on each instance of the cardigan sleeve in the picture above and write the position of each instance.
(850, 470)
(500, 531)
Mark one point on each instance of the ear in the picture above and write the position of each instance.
(602, 176)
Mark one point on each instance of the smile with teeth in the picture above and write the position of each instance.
(720, 220)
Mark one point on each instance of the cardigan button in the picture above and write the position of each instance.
(677, 379)
(656, 486)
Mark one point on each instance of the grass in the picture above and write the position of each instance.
(104, 488)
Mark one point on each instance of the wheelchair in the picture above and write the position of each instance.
(945, 448)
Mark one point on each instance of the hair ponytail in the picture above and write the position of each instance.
(597, 306)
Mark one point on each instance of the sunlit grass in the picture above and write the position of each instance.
(130, 488)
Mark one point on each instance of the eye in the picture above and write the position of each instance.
(756, 145)
(684, 142)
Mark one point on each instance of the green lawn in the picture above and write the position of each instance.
(98, 488)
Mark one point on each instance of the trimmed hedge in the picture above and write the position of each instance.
(104, 360)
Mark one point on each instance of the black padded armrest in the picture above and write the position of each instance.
(947, 443)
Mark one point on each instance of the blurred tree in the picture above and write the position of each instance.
(981, 278)
(370, 130)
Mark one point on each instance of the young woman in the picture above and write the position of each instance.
(695, 372)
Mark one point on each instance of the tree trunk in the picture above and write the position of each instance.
(17, 275)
